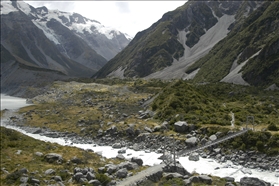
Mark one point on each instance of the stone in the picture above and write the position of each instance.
(101, 170)
(35, 181)
(122, 151)
(117, 146)
(49, 171)
(229, 179)
(155, 177)
(53, 157)
(39, 154)
(213, 137)
(176, 168)
(252, 181)
(191, 142)
(172, 175)
(205, 179)
(76, 160)
(90, 176)
(94, 183)
(111, 168)
(78, 176)
(128, 165)
(120, 156)
(23, 179)
(194, 157)
(157, 128)
(82, 180)
(137, 160)
(181, 126)
(121, 173)
(147, 129)
(57, 178)
(18, 152)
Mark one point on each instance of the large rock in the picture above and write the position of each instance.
(191, 142)
(53, 157)
(121, 173)
(111, 168)
(194, 157)
(213, 137)
(155, 177)
(94, 183)
(128, 165)
(117, 146)
(205, 179)
(252, 181)
(181, 126)
(137, 160)
(49, 171)
(78, 176)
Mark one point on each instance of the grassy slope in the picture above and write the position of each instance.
(248, 37)
(12, 141)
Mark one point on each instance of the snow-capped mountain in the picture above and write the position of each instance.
(105, 41)
(36, 40)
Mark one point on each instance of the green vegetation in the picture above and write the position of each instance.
(13, 162)
(214, 103)
(247, 37)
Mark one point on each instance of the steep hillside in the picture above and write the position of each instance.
(41, 45)
(177, 40)
(248, 55)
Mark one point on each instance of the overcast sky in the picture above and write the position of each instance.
(126, 16)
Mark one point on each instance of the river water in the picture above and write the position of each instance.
(203, 166)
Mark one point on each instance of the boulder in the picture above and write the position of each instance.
(94, 183)
(49, 171)
(76, 160)
(57, 178)
(147, 129)
(252, 181)
(205, 179)
(53, 157)
(137, 160)
(213, 137)
(191, 142)
(155, 177)
(120, 156)
(111, 168)
(122, 151)
(90, 176)
(128, 165)
(181, 126)
(39, 154)
(117, 146)
(172, 175)
(78, 176)
(194, 157)
(23, 179)
(121, 173)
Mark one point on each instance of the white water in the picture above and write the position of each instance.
(203, 166)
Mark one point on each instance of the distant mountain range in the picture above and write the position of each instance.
(206, 41)
(36, 40)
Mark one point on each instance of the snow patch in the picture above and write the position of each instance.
(7, 7)
(24, 7)
(48, 32)
(235, 76)
(119, 73)
(191, 55)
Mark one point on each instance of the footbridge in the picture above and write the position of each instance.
(130, 181)
(215, 142)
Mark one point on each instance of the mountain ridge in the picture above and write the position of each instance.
(184, 43)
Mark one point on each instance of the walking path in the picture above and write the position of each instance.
(132, 181)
